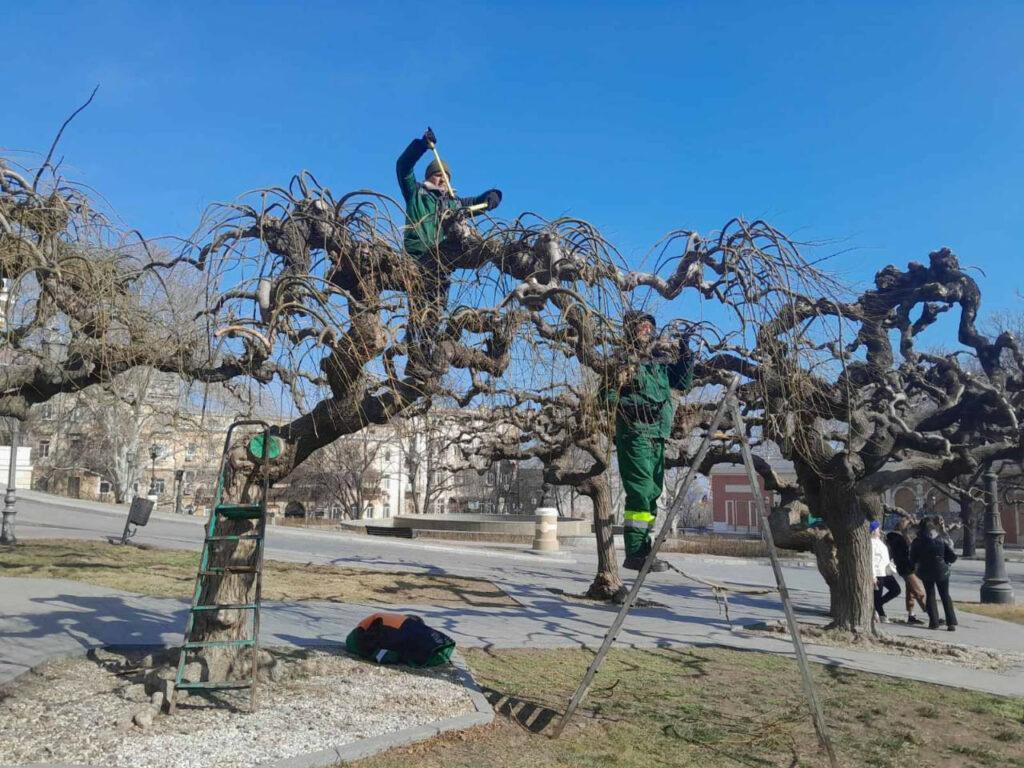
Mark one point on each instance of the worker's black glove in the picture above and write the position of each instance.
(492, 197)
(429, 137)
(685, 354)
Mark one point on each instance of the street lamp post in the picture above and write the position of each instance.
(154, 451)
(7, 531)
(996, 586)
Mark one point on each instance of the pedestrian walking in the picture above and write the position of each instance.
(932, 557)
(886, 586)
(899, 551)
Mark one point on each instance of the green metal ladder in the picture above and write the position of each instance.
(262, 447)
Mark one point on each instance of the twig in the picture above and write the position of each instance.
(56, 139)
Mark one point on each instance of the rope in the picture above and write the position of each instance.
(721, 591)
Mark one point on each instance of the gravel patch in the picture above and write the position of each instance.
(106, 711)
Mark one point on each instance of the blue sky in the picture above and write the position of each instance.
(888, 129)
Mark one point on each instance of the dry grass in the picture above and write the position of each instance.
(172, 573)
(715, 707)
(721, 545)
(1014, 613)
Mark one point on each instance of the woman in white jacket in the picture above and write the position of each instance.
(883, 570)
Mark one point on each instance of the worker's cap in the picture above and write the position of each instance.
(874, 526)
(634, 317)
(436, 166)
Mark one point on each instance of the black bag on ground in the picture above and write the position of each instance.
(395, 638)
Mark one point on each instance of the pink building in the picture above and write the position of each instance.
(733, 506)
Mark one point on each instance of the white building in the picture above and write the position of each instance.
(23, 472)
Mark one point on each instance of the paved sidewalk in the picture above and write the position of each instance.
(43, 618)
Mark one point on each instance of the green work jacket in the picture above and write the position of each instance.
(424, 206)
(644, 406)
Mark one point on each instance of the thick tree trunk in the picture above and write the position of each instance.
(847, 571)
(812, 540)
(607, 583)
(970, 524)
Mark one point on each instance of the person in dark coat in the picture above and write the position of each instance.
(426, 201)
(899, 551)
(931, 557)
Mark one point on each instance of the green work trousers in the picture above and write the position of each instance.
(642, 471)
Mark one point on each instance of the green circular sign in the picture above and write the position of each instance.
(274, 448)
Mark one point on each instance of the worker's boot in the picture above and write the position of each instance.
(635, 561)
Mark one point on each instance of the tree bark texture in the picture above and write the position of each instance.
(969, 519)
(847, 568)
(607, 583)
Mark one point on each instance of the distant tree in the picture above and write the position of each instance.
(427, 442)
(345, 474)
(120, 419)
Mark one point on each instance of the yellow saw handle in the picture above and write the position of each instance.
(444, 173)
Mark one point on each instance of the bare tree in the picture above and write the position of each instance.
(857, 413)
(120, 417)
(344, 474)
(428, 441)
(314, 296)
(687, 503)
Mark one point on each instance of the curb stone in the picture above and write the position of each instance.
(356, 750)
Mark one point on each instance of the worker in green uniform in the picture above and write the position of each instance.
(643, 421)
(426, 201)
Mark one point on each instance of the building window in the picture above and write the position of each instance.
(76, 442)
(44, 448)
(46, 410)
(105, 486)
(191, 451)
(158, 486)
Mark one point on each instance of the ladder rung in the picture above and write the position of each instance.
(226, 607)
(239, 511)
(218, 643)
(228, 570)
(236, 537)
(210, 685)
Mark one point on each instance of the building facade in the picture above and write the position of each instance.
(733, 500)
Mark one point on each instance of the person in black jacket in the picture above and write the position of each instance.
(899, 551)
(932, 557)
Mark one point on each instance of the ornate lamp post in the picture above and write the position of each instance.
(7, 531)
(154, 451)
(996, 586)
